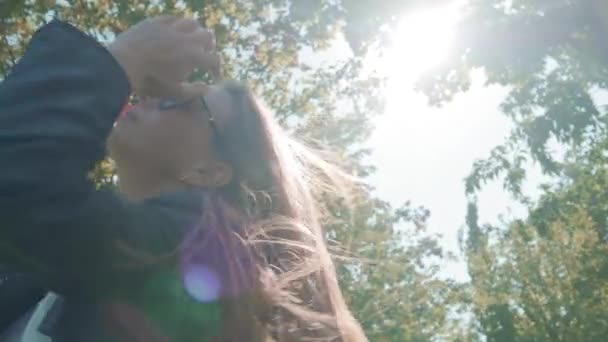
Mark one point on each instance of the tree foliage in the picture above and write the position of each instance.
(546, 278)
(542, 278)
(551, 55)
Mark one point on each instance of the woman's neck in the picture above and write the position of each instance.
(139, 186)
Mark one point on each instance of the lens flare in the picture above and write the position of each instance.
(202, 283)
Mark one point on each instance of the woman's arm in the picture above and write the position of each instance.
(57, 108)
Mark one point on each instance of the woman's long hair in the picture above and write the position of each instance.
(281, 274)
(261, 251)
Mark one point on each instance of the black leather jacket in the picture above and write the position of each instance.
(57, 232)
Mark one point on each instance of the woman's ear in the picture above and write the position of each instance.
(211, 175)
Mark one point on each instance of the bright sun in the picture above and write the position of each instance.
(420, 42)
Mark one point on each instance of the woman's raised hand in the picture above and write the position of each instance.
(160, 53)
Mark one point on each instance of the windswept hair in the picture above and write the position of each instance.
(276, 196)
(261, 237)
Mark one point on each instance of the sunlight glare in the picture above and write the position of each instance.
(420, 42)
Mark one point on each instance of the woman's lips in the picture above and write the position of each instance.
(127, 108)
(126, 112)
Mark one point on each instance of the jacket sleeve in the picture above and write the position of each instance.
(57, 108)
(19, 292)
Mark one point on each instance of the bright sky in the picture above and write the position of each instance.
(422, 153)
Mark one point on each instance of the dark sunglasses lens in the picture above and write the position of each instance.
(167, 104)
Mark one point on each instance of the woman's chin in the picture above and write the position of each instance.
(119, 144)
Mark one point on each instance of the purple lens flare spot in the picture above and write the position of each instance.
(202, 283)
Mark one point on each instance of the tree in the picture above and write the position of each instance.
(391, 282)
(393, 285)
(542, 278)
(546, 278)
(552, 55)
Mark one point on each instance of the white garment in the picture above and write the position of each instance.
(31, 333)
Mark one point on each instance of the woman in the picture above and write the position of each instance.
(217, 235)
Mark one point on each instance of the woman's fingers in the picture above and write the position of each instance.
(212, 63)
(154, 86)
(191, 31)
(190, 59)
(187, 25)
(197, 52)
(208, 62)
(194, 89)
(157, 87)
(185, 90)
(173, 48)
(200, 37)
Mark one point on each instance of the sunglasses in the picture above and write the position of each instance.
(173, 104)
